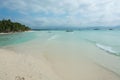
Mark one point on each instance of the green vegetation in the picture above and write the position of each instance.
(7, 26)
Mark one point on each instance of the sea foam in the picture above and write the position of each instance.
(107, 48)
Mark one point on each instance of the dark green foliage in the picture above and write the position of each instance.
(9, 26)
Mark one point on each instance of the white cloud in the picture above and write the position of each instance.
(67, 12)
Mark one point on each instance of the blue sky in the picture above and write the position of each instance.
(57, 13)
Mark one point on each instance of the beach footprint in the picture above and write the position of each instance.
(19, 78)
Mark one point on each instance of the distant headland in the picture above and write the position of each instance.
(7, 26)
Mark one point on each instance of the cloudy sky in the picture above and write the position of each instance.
(57, 13)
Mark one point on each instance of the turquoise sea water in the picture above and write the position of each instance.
(106, 40)
(15, 38)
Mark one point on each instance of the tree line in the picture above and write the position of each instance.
(7, 26)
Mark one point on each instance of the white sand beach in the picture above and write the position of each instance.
(24, 67)
(14, 66)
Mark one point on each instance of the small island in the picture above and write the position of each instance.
(7, 26)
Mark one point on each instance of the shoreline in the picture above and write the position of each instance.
(15, 32)
(106, 60)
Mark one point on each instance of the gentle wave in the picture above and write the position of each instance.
(53, 37)
(107, 48)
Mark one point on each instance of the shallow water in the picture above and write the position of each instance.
(15, 38)
(106, 40)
